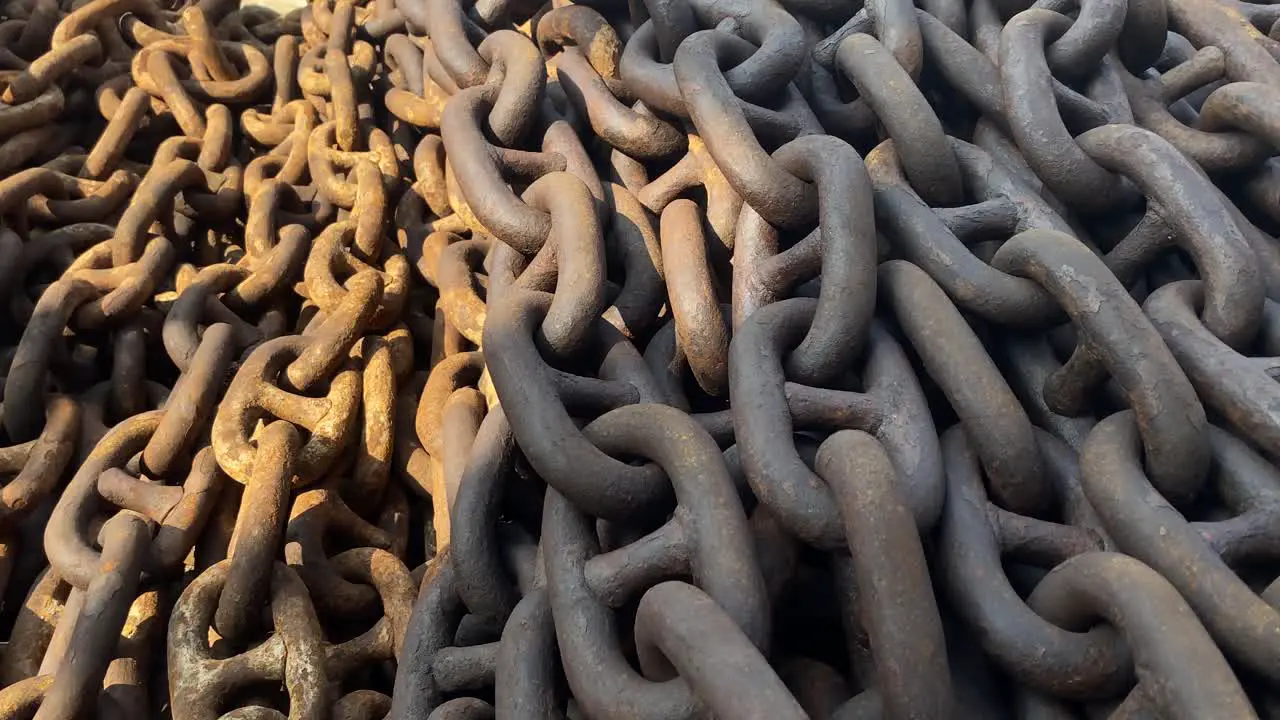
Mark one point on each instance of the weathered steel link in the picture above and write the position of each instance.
(975, 534)
(1116, 339)
(846, 236)
(1151, 615)
(1002, 205)
(1197, 219)
(677, 624)
(707, 538)
(993, 418)
(1036, 125)
(201, 682)
(892, 406)
(1153, 531)
(103, 611)
(889, 567)
(446, 359)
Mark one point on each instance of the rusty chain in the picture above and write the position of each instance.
(661, 359)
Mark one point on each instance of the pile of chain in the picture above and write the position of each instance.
(652, 360)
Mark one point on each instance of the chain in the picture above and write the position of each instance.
(445, 360)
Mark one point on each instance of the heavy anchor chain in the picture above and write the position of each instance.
(670, 359)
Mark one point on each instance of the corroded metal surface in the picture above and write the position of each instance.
(657, 360)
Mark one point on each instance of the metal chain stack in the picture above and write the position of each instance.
(648, 360)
